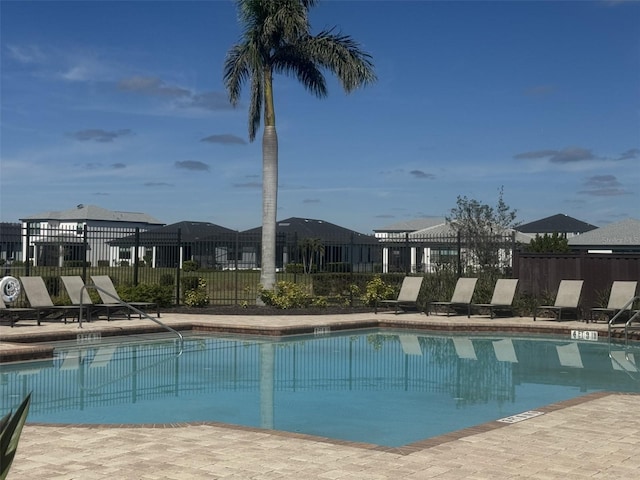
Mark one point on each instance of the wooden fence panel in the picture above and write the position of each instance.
(540, 273)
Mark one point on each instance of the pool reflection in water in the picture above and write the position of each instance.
(381, 387)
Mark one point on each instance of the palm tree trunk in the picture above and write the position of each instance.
(269, 207)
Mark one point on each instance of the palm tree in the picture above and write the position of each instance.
(277, 39)
(311, 248)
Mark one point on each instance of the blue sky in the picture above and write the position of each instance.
(121, 104)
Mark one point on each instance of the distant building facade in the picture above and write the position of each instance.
(53, 238)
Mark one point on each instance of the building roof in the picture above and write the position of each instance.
(94, 213)
(625, 233)
(559, 223)
(190, 232)
(311, 228)
(447, 230)
(412, 225)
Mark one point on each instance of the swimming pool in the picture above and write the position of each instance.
(383, 387)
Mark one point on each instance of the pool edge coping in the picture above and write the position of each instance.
(403, 450)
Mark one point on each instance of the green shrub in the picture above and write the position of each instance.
(319, 302)
(190, 266)
(377, 290)
(103, 263)
(147, 292)
(124, 263)
(197, 297)
(167, 279)
(286, 295)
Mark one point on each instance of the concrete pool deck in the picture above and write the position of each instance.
(596, 436)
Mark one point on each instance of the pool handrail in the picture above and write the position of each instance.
(142, 313)
(135, 372)
(625, 309)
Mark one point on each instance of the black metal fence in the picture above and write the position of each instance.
(229, 262)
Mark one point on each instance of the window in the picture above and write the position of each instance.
(125, 253)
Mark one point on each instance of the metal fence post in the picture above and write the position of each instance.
(85, 248)
(407, 255)
(27, 251)
(459, 240)
(235, 265)
(136, 261)
(351, 272)
(179, 242)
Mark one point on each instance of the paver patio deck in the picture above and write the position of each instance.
(597, 436)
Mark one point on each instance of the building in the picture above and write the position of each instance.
(10, 242)
(207, 244)
(426, 249)
(321, 243)
(80, 234)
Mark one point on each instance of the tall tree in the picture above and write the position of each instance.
(482, 226)
(277, 39)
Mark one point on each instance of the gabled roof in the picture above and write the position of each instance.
(311, 228)
(559, 223)
(411, 225)
(94, 213)
(625, 233)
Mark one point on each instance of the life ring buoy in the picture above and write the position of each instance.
(10, 288)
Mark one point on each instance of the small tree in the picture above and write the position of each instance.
(311, 248)
(482, 227)
(555, 243)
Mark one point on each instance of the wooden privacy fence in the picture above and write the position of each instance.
(542, 272)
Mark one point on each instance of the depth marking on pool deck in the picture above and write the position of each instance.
(519, 417)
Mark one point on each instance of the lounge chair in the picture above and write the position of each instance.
(109, 295)
(39, 300)
(462, 296)
(74, 286)
(15, 314)
(568, 298)
(621, 294)
(408, 296)
(502, 299)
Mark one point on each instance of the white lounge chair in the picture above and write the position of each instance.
(462, 296)
(40, 300)
(109, 295)
(568, 298)
(502, 299)
(408, 296)
(74, 286)
(621, 293)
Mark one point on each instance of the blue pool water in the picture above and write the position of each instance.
(382, 387)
